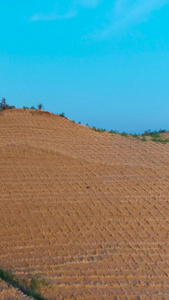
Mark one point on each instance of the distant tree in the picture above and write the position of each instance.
(3, 104)
(40, 106)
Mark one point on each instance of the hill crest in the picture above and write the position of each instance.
(86, 210)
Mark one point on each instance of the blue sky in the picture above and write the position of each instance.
(101, 62)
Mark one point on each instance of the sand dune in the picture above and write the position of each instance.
(88, 211)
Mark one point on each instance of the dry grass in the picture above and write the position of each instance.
(86, 211)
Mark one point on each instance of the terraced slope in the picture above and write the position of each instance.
(87, 211)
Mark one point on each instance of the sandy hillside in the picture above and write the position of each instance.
(87, 211)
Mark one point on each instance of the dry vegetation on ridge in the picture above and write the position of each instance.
(86, 211)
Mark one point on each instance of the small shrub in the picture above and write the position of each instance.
(113, 131)
(25, 107)
(165, 141)
(40, 106)
(32, 107)
(7, 276)
(146, 133)
(3, 104)
(11, 107)
(136, 136)
(160, 140)
(62, 114)
(155, 135)
(124, 134)
(144, 139)
(156, 139)
(98, 129)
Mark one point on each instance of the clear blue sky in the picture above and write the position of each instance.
(101, 62)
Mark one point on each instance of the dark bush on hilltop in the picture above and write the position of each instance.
(4, 105)
(40, 106)
(62, 114)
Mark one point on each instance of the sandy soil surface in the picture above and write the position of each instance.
(88, 211)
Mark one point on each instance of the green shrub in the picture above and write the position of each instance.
(160, 140)
(146, 133)
(165, 141)
(113, 131)
(156, 139)
(155, 135)
(124, 134)
(11, 107)
(136, 136)
(98, 129)
(62, 114)
(40, 106)
(7, 276)
(34, 284)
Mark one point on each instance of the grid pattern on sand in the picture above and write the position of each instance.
(89, 211)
